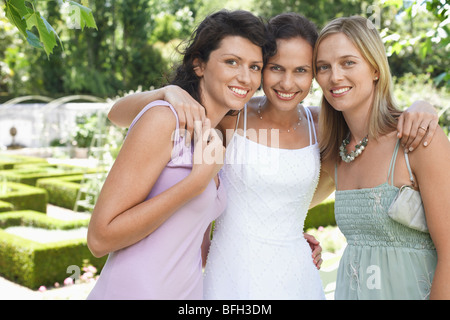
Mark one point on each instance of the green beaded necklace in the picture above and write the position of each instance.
(359, 148)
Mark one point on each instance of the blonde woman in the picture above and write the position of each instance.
(383, 259)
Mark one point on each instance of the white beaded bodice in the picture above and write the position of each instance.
(258, 250)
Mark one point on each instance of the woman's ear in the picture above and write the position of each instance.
(198, 67)
(376, 75)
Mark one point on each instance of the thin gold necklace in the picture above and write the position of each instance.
(294, 127)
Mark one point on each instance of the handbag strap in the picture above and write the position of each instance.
(411, 177)
(392, 165)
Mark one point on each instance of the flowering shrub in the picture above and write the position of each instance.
(88, 276)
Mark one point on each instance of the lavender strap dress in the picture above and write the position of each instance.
(167, 264)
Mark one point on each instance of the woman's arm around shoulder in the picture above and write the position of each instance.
(326, 184)
(188, 109)
(125, 109)
(431, 166)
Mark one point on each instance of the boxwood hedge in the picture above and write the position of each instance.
(10, 161)
(62, 191)
(23, 197)
(30, 175)
(33, 264)
(321, 215)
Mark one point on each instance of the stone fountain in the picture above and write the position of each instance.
(14, 145)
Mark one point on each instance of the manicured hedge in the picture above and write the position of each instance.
(9, 161)
(321, 215)
(33, 264)
(62, 191)
(25, 197)
(37, 219)
(29, 175)
(5, 206)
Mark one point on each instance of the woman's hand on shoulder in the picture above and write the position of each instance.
(188, 109)
(417, 124)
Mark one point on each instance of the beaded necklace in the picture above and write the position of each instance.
(359, 148)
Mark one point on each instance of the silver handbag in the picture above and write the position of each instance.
(407, 209)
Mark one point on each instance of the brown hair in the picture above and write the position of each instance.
(207, 37)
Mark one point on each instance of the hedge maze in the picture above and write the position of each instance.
(27, 185)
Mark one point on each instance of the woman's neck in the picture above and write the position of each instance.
(215, 115)
(282, 118)
(358, 124)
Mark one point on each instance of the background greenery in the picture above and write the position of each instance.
(133, 43)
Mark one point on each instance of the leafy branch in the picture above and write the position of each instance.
(24, 15)
(426, 41)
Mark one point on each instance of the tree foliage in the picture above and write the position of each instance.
(417, 38)
(24, 15)
(110, 47)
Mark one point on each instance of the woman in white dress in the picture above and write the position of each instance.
(271, 172)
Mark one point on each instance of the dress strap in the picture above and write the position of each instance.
(311, 126)
(153, 104)
(237, 121)
(245, 121)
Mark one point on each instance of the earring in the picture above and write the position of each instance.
(375, 79)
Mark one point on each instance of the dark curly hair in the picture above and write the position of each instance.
(207, 37)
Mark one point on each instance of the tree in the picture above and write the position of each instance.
(24, 15)
(318, 11)
(417, 38)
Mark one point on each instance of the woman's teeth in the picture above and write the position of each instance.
(285, 95)
(339, 91)
(239, 91)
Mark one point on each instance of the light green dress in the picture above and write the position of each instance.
(383, 259)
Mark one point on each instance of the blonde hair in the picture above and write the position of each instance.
(383, 114)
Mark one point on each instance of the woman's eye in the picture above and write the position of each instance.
(231, 62)
(256, 68)
(349, 63)
(322, 68)
(301, 70)
(275, 68)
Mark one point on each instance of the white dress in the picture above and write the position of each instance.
(258, 250)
